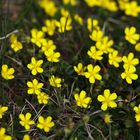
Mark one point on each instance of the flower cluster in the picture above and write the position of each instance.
(3, 136)
(110, 5)
(15, 44)
(3, 109)
(129, 66)
(7, 73)
(45, 124)
(78, 69)
(137, 111)
(82, 100)
(130, 8)
(107, 100)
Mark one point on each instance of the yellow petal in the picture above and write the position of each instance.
(107, 93)
(76, 96)
(100, 98)
(41, 119)
(21, 116)
(129, 80)
(28, 116)
(104, 106)
(29, 84)
(82, 94)
(4, 67)
(113, 96)
(112, 104)
(92, 80)
(48, 119)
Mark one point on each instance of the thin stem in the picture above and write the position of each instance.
(31, 105)
(110, 138)
(98, 131)
(96, 112)
(71, 91)
(6, 36)
(38, 113)
(88, 131)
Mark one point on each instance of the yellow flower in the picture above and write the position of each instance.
(137, 47)
(82, 100)
(105, 45)
(80, 69)
(3, 136)
(114, 59)
(34, 87)
(45, 123)
(37, 37)
(13, 38)
(92, 24)
(78, 19)
(16, 46)
(132, 9)
(93, 73)
(35, 66)
(137, 111)
(52, 56)
(122, 4)
(64, 24)
(130, 61)
(49, 27)
(107, 99)
(96, 35)
(64, 12)
(92, 3)
(71, 2)
(95, 54)
(26, 137)
(48, 6)
(3, 109)
(26, 122)
(7, 73)
(48, 45)
(107, 4)
(55, 81)
(107, 118)
(131, 36)
(129, 75)
(110, 5)
(43, 98)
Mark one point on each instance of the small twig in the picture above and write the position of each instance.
(14, 60)
(56, 94)
(23, 131)
(91, 88)
(117, 22)
(53, 100)
(71, 91)
(96, 112)
(88, 131)
(38, 113)
(110, 138)
(31, 105)
(73, 110)
(6, 36)
(23, 108)
(105, 69)
(121, 100)
(51, 136)
(134, 97)
(104, 138)
(12, 127)
(104, 27)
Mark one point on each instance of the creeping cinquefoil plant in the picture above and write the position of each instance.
(69, 70)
